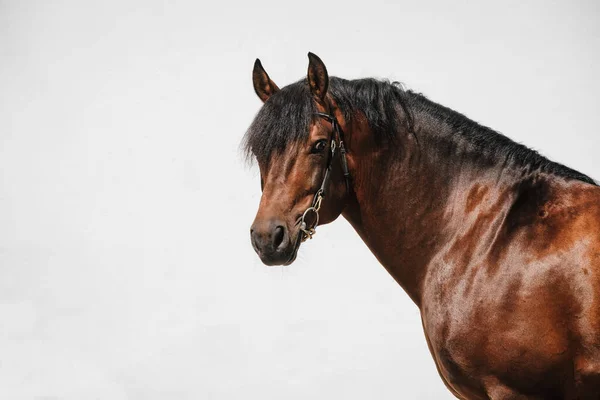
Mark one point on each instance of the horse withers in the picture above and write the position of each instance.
(498, 246)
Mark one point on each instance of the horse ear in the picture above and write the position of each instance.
(263, 85)
(318, 79)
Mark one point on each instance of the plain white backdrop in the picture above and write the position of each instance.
(126, 270)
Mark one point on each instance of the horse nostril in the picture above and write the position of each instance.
(278, 235)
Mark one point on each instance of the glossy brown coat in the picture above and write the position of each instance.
(503, 261)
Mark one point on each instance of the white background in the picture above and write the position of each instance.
(126, 270)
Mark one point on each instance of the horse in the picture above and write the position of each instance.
(497, 246)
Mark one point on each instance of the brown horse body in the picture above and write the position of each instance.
(501, 256)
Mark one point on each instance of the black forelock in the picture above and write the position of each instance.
(284, 118)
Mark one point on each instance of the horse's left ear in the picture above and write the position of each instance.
(318, 79)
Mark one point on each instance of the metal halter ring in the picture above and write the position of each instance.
(310, 231)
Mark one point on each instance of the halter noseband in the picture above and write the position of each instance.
(337, 141)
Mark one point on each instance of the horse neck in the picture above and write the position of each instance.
(409, 200)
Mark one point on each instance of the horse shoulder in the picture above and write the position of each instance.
(532, 304)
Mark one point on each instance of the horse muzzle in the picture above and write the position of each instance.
(272, 242)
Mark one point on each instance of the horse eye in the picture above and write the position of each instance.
(319, 146)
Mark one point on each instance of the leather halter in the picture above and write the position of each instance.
(337, 141)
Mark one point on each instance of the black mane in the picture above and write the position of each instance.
(286, 116)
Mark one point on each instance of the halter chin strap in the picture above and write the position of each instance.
(337, 141)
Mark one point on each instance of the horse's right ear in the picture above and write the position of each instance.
(263, 85)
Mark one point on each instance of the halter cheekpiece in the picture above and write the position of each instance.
(337, 142)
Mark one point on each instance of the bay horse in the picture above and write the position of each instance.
(498, 246)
